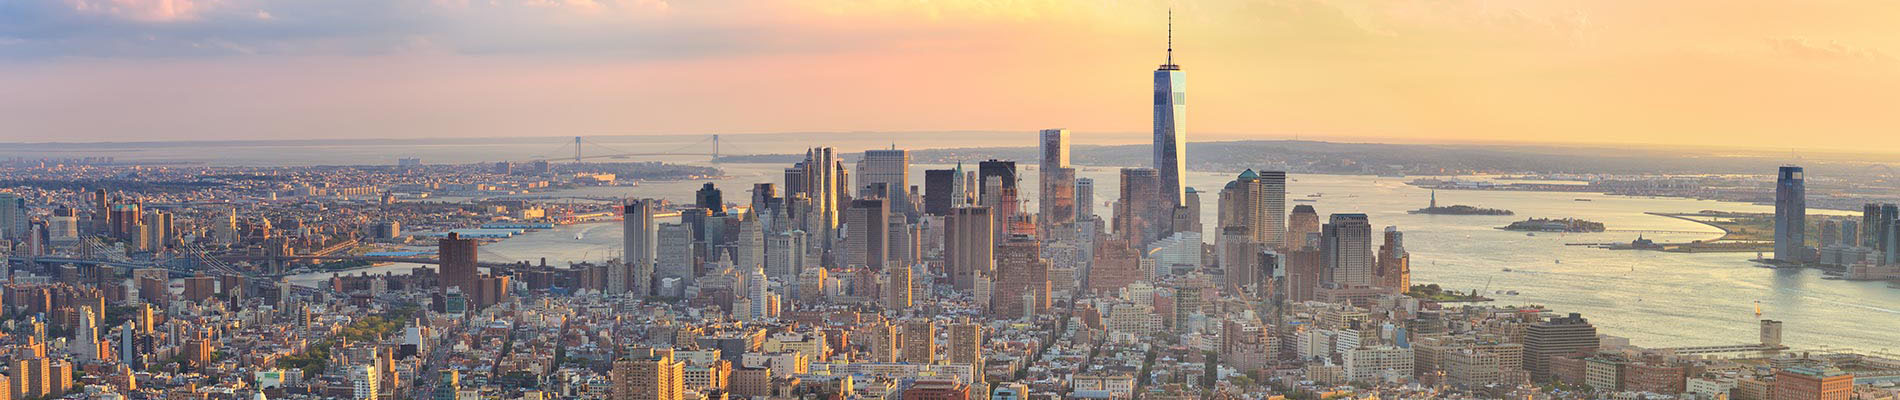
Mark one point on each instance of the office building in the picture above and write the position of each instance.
(640, 243)
(941, 191)
(1056, 186)
(12, 217)
(1554, 338)
(1084, 198)
(1791, 210)
(458, 263)
(897, 287)
(1257, 201)
(1138, 210)
(886, 174)
(1170, 128)
(1021, 287)
(1302, 226)
(818, 178)
(710, 198)
(1346, 243)
(1003, 171)
(866, 239)
(937, 389)
(1395, 264)
(966, 344)
(969, 246)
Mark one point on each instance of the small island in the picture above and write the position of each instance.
(1554, 225)
(1458, 209)
(1461, 209)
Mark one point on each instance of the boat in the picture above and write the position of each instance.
(1559, 261)
(579, 236)
(1530, 233)
(1507, 270)
(1511, 292)
(1581, 199)
(1757, 308)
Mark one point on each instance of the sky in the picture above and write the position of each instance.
(1810, 74)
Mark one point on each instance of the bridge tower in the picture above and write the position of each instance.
(715, 146)
(577, 149)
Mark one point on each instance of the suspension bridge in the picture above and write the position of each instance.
(588, 149)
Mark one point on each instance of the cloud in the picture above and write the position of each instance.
(139, 10)
(1828, 50)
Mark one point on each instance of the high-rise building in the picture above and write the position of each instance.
(764, 198)
(941, 191)
(1395, 265)
(1022, 282)
(750, 242)
(640, 242)
(1791, 215)
(710, 198)
(674, 243)
(1170, 127)
(920, 341)
(458, 263)
(1187, 217)
(1557, 337)
(897, 287)
(12, 217)
(1138, 212)
(1870, 225)
(886, 174)
(1116, 265)
(1004, 171)
(648, 374)
(1056, 184)
(969, 246)
(365, 381)
(1084, 198)
(1257, 200)
(966, 345)
(785, 255)
(866, 241)
(818, 178)
(1301, 225)
(1346, 243)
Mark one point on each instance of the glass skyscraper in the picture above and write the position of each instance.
(1170, 146)
(1791, 215)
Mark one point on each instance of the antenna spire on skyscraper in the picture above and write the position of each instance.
(1170, 35)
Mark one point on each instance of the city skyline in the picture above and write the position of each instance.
(686, 269)
(1553, 72)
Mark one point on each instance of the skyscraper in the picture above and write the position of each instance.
(710, 198)
(1084, 198)
(1257, 200)
(1791, 209)
(969, 245)
(890, 170)
(458, 266)
(866, 241)
(674, 243)
(1056, 207)
(818, 179)
(1346, 243)
(1005, 171)
(1022, 279)
(1138, 212)
(940, 191)
(1303, 222)
(1556, 337)
(1170, 128)
(640, 242)
(1395, 265)
(12, 217)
